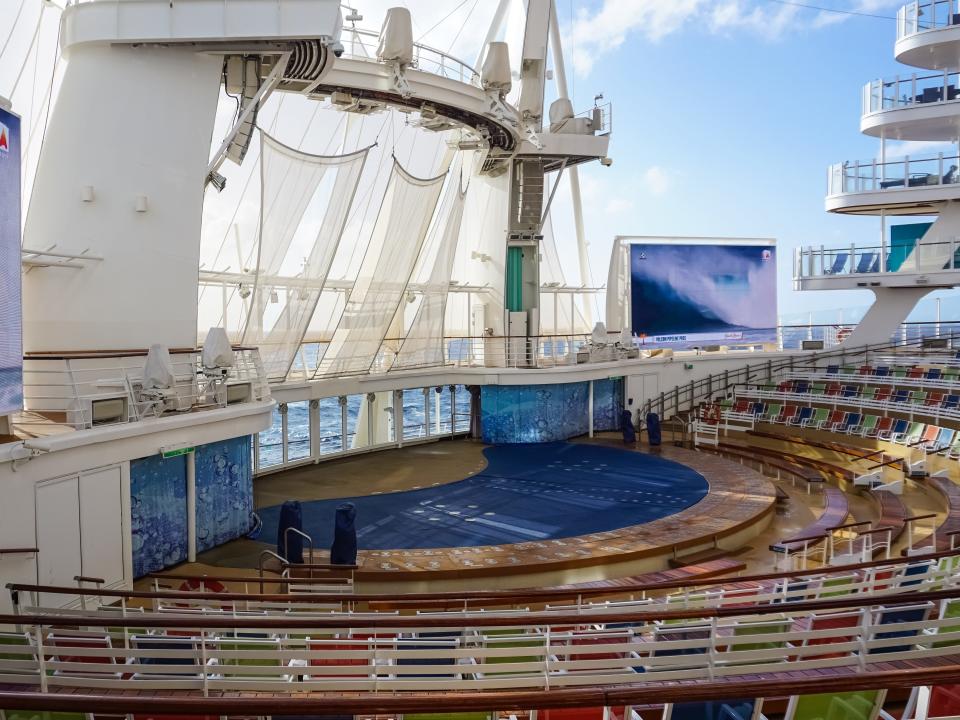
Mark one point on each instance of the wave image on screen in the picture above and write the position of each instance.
(692, 295)
(11, 353)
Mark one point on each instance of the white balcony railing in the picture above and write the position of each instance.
(813, 262)
(362, 45)
(910, 91)
(902, 174)
(922, 15)
(79, 391)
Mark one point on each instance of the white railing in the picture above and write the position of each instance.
(902, 92)
(904, 174)
(917, 256)
(923, 15)
(222, 654)
(76, 392)
(363, 44)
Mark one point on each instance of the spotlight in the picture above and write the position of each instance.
(217, 180)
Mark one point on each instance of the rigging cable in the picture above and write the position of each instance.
(442, 20)
(838, 11)
(13, 27)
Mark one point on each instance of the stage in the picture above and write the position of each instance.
(568, 511)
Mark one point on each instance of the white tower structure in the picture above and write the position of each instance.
(912, 258)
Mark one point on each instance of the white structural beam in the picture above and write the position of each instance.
(561, 80)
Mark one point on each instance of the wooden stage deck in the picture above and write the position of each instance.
(738, 498)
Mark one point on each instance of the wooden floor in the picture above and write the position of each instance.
(738, 498)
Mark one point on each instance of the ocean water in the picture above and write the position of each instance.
(331, 440)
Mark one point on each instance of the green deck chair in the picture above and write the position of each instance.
(773, 411)
(898, 372)
(760, 627)
(508, 642)
(818, 388)
(950, 611)
(22, 654)
(842, 585)
(820, 416)
(848, 370)
(863, 705)
(768, 385)
(869, 393)
(913, 433)
(868, 424)
(918, 397)
(265, 646)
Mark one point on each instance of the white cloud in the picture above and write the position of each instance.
(657, 180)
(594, 34)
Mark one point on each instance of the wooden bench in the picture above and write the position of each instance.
(694, 571)
(694, 559)
(835, 512)
(795, 465)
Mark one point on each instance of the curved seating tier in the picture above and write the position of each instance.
(856, 636)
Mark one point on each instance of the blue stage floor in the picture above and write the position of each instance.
(526, 492)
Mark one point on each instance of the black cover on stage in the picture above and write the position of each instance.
(344, 548)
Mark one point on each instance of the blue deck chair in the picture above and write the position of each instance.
(850, 391)
(839, 263)
(899, 427)
(912, 570)
(934, 374)
(804, 415)
(881, 371)
(866, 262)
(801, 386)
(944, 440)
(950, 402)
(851, 421)
(911, 613)
(740, 709)
(759, 409)
(900, 396)
(429, 662)
(833, 369)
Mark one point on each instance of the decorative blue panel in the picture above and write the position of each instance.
(158, 490)
(158, 510)
(224, 492)
(607, 403)
(547, 413)
(533, 413)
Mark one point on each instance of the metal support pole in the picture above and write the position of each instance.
(191, 507)
(590, 410)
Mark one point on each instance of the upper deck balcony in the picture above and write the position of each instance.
(928, 34)
(894, 264)
(921, 106)
(906, 186)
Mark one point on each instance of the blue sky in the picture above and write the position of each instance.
(728, 128)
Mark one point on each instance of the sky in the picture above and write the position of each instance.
(726, 114)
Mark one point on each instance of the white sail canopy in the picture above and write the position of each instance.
(381, 284)
(292, 181)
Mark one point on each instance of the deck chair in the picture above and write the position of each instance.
(851, 421)
(441, 665)
(260, 653)
(772, 413)
(869, 393)
(881, 371)
(900, 396)
(837, 622)
(867, 428)
(741, 406)
(918, 397)
(834, 389)
(833, 369)
(898, 371)
(934, 399)
(883, 394)
(861, 705)
(802, 418)
(953, 452)
(866, 262)
(64, 642)
(934, 373)
(818, 418)
(177, 656)
(801, 387)
(943, 442)
(449, 716)
(834, 421)
(865, 370)
(915, 372)
(911, 436)
(698, 635)
(896, 615)
(898, 428)
(510, 639)
(949, 610)
(818, 388)
(929, 436)
(739, 709)
(850, 391)
(884, 424)
(746, 629)
(16, 654)
(950, 402)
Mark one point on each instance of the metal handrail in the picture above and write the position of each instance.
(301, 533)
(267, 554)
(460, 67)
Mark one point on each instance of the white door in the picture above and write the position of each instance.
(101, 524)
(58, 536)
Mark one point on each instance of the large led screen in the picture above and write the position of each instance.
(11, 352)
(690, 295)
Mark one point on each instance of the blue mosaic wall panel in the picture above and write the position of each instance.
(158, 490)
(607, 403)
(547, 413)
(158, 509)
(224, 492)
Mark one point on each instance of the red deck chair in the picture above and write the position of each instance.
(834, 388)
(944, 701)
(882, 394)
(64, 641)
(934, 399)
(884, 425)
(915, 372)
(741, 406)
(866, 370)
(838, 621)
